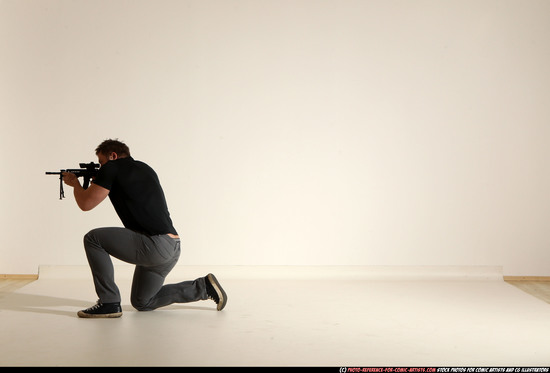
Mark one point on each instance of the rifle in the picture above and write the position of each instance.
(87, 171)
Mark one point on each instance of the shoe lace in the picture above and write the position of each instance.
(94, 307)
(211, 293)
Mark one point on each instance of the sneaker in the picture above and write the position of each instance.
(215, 291)
(102, 310)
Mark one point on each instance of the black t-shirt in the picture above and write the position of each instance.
(136, 195)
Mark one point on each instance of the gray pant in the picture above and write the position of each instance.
(154, 257)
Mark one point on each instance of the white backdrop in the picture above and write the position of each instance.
(369, 132)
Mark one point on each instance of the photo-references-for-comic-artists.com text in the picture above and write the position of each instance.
(446, 370)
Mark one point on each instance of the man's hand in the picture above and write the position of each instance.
(70, 179)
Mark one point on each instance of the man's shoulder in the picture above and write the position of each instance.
(141, 165)
(122, 163)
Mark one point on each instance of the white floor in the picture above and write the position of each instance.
(285, 316)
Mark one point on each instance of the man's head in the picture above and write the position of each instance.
(109, 150)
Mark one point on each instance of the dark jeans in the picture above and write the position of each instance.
(154, 257)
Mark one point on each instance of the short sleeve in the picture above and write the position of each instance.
(106, 175)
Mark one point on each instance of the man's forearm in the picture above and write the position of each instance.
(88, 199)
(80, 196)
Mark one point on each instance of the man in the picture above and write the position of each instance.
(147, 240)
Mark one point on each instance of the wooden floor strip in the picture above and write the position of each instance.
(527, 278)
(538, 289)
(18, 277)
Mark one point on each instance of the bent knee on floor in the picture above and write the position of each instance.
(140, 305)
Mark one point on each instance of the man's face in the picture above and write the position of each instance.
(102, 158)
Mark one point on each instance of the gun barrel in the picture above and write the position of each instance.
(79, 172)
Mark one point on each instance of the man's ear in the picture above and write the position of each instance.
(113, 156)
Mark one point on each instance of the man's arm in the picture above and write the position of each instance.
(86, 199)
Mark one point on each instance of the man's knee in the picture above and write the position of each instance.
(96, 238)
(140, 304)
(90, 237)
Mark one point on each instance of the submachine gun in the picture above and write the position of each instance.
(86, 170)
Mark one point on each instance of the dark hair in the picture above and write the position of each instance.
(109, 146)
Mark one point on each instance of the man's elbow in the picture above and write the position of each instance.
(88, 199)
(85, 208)
(86, 205)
